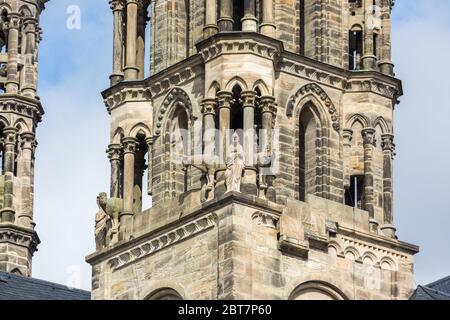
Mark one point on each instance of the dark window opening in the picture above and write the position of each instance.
(258, 118)
(375, 44)
(238, 14)
(354, 193)
(237, 113)
(355, 49)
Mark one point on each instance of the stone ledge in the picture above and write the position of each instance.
(10, 233)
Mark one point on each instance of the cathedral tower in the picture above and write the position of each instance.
(20, 113)
(263, 132)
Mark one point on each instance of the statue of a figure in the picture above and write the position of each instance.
(101, 221)
(235, 165)
(107, 220)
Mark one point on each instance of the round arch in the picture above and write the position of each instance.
(317, 290)
(164, 294)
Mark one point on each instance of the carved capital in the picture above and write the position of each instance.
(224, 98)
(14, 20)
(387, 142)
(129, 145)
(347, 135)
(248, 98)
(10, 134)
(27, 140)
(368, 135)
(116, 5)
(209, 106)
(267, 105)
(114, 152)
(30, 24)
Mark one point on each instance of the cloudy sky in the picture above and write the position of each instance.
(72, 167)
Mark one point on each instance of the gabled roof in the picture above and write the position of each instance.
(438, 290)
(16, 287)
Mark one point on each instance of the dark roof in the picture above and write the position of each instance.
(438, 290)
(16, 287)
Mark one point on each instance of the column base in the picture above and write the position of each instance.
(249, 24)
(116, 78)
(225, 24)
(210, 30)
(389, 230)
(369, 62)
(131, 73)
(12, 87)
(7, 215)
(373, 225)
(267, 29)
(386, 67)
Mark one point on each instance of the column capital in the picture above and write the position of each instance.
(368, 135)
(10, 135)
(27, 140)
(114, 152)
(209, 106)
(347, 135)
(387, 142)
(116, 5)
(129, 145)
(224, 98)
(248, 98)
(14, 20)
(267, 105)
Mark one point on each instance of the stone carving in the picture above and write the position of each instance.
(107, 221)
(235, 165)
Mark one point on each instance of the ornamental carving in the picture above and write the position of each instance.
(176, 96)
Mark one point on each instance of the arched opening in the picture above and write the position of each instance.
(140, 167)
(238, 14)
(355, 47)
(317, 290)
(309, 133)
(237, 112)
(164, 294)
(258, 119)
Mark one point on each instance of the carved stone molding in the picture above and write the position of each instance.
(162, 241)
(125, 95)
(375, 86)
(19, 237)
(317, 90)
(29, 110)
(178, 96)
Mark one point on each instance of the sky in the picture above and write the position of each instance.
(72, 166)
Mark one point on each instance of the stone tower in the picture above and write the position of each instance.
(264, 135)
(20, 113)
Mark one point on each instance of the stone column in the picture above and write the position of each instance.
(131, 69)
(149, 142)
(226, 15)
(7, 214)
(115, 157)
(29, 84)
(368, 135)
(347, 135)
(210, 28)
(249, 179)
(249, 21)
(369, 60)
(385, 63)
(209, 107)
(268, 114)
(142, 24)
(118, 10)
(129, 150)
(267, 27)
(388, 155)
(12, 77)
(24, 173)
(224, 107)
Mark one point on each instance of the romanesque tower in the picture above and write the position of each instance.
(20, 113)
(263, 132)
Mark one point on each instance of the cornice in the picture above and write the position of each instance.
(21, 105)
(24, 237)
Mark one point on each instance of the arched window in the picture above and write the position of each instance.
(308, 145)
(164, 294)
(317, 290)
(237, 112)
(355, 47)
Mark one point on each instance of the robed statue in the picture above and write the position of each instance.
(235, 165)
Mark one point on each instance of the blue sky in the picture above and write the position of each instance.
(72, 167)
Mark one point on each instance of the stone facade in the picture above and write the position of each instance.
(20, 113)
(312, 101)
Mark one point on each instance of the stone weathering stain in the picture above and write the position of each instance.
(264, 135)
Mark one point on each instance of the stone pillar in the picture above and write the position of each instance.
(268, 114)
(388, 154)
(210, 28)
(209, 107)
(249, 21)
(249, 179)
(267, 27)
(115, 157)
(7, 214)
(347, 135)
(12, 77)
(141, 26)
(224, 107)
(29, 83)
(368, 135)
(131, 70)
(385, 63)
(24, 173)
(369, 60)
(149, 142)
(226, 15)
(118, 41)
(129, 150)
